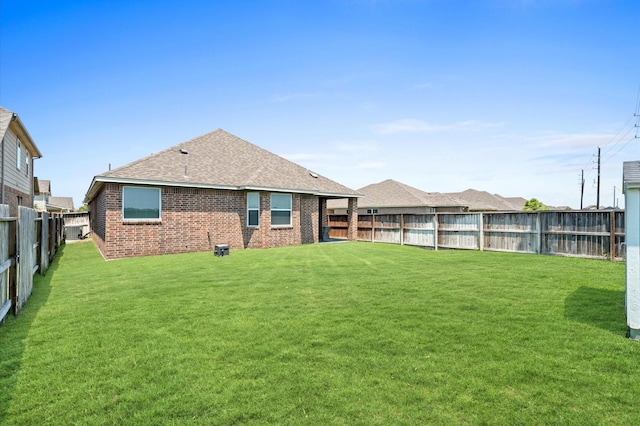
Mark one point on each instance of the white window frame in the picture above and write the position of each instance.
(253, 209)
(372, 211)
(134, 219)
(290, 209)
(19, 155)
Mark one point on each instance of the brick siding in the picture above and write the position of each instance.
(15, 198)
(194, 220)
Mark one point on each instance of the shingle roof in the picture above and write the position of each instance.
(483, 201)
(390, 193)
(631, 174)
(6, 118)
(61, 202)
(221, 160)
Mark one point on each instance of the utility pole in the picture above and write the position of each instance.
(614, 197)
(582, 190)
(598, 197)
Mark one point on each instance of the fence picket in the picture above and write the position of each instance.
(592, 234)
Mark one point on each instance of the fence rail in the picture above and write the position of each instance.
(590, 234)
(28, 243)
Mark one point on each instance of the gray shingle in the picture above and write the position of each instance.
(631, 173)
(390, 193)
(220, 159)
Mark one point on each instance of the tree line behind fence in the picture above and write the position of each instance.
(28, 243)
(590, 234)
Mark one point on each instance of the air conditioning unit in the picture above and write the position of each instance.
(221, 250)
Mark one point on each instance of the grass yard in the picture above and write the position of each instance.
(340, 334)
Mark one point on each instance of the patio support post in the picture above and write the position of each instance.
(352, 217)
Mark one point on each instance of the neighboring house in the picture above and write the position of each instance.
(42, 194)
(392, 197)
(44, 201)
(60, 204)
(16, 162)
(482, 201)
(214, 189)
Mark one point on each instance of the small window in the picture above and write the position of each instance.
(280, 209)
(19, 155)
(141, 203)
(26, 164)
(253, 209)
(372, 211)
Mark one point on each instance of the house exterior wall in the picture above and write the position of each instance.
(632, 273)
(18, 183)
(97, 218)
(194, 219)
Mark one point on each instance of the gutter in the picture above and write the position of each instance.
(98, 182)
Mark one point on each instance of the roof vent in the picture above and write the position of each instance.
(313, 175)
(184, 151)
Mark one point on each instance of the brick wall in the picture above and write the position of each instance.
(195, 220)
(309, 221)
(352, 217)
(15, 198)
(97, 217)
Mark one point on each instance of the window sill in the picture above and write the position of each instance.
(142, 222)
(281, 226)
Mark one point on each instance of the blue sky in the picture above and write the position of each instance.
(507, 96)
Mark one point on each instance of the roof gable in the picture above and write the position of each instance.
(220, 159)
(482, 200)
(61, 203)
(10, 120)
(390, 193)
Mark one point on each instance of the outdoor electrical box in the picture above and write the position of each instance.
(222, 250)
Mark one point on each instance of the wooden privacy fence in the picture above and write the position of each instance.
(27, 245)
(591, 234)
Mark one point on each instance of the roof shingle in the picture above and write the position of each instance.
(390, 193)
(220, 159)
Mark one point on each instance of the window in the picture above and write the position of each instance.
(141, 203)
(280, 209)
(19, 155)
(26, 165)
(253, 208)
(372, 211)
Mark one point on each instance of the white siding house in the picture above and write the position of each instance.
(17, 152)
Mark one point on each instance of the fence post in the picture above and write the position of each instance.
(539, 232)
(612, 235)
(13, 271)
(373, 227)
(436, 222)
(481, 231)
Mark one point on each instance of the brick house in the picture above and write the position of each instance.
(16, 162)
(214, 189)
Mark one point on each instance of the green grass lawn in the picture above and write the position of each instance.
(350, 333)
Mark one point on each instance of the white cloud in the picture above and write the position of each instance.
(410, 125)
(573, 141)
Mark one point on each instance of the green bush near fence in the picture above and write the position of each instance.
(349, 333)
